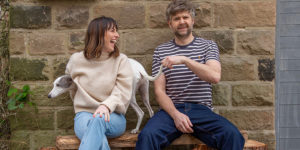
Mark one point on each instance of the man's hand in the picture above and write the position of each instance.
(102, 110)
(183, 123)
(169, 61)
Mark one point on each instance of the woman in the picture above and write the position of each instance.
(104, 82)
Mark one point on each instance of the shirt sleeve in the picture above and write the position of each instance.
(212, 52)
(156, 62)
(119, 99)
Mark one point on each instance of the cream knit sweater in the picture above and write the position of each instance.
(105, 80)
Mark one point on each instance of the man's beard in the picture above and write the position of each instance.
(185, 35)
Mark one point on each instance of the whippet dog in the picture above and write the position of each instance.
(140, 83)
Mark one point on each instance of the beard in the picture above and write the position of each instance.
(183, 35)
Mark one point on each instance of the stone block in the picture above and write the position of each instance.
(74, 17)
(40, 97)
(76, 41)
(20, 140)
(30, 17)
(31, 119)
(157, 16)
(245, 14)
(266, 69)
(43, 139)
(259, 94)
(256, 42)
(65, 119)
(250, 119)
(26, 70)
(59, 66)
(47, 43)
(265, 137)
(224, 39)
(203, 15)
(238, 68)
(134, 18)
(221, 94)
(143, 41)
(17, 43)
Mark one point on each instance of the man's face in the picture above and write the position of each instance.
(181, 24)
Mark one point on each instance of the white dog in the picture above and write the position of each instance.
(140, 82)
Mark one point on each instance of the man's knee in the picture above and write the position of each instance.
(146, 133)
(234, 134)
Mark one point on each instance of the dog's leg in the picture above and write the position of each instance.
(139, 113)
(144, 92)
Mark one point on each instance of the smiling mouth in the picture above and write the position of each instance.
(113, 41)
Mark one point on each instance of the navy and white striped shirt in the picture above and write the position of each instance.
(182, 85)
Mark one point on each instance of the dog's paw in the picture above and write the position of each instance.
(134, 131)
(151, 113)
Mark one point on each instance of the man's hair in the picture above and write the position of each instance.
(178, 6)
(94, 39)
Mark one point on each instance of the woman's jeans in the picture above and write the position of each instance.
(93, 132)
(211, 128)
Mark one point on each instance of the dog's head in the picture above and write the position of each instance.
(61, 85)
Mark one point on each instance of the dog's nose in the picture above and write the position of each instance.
(49, 96)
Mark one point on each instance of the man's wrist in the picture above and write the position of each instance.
(174, 113)
(185, 60)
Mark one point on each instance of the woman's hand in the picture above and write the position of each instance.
(102, 110)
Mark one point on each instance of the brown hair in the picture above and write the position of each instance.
(94, 39)
(178, 6)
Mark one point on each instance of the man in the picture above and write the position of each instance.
(184, 92)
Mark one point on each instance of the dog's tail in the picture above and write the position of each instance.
(150, 78)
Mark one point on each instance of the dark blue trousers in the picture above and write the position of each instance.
(211, 128)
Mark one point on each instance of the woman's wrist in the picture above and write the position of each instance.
(106, 107)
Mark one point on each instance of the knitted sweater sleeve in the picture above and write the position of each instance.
(68, 72)
(119, 99)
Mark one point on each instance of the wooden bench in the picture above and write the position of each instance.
(128, 140)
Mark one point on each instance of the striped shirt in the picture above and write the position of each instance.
(182, 85)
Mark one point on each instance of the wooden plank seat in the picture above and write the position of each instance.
(128, 140)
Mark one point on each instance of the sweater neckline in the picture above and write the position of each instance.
(104, 56)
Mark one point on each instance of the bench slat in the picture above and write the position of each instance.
(128, 140)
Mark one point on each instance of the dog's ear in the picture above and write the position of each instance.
(70, 79)
(66, 81)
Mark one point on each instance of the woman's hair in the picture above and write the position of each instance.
(178, 6)
(94, 39)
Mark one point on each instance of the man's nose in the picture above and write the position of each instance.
(181, 20)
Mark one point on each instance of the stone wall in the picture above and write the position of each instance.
(44, 33)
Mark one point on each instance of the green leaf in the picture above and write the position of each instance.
(9, 100)
(11, 91)
(21, 105)
(8, 82)
(19, 97)
(12, 105)
(26, 88)
(24, 95)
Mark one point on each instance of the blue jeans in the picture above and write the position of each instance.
(93, 132)
(211, 128)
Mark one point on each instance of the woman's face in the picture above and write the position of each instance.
(110, 39)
